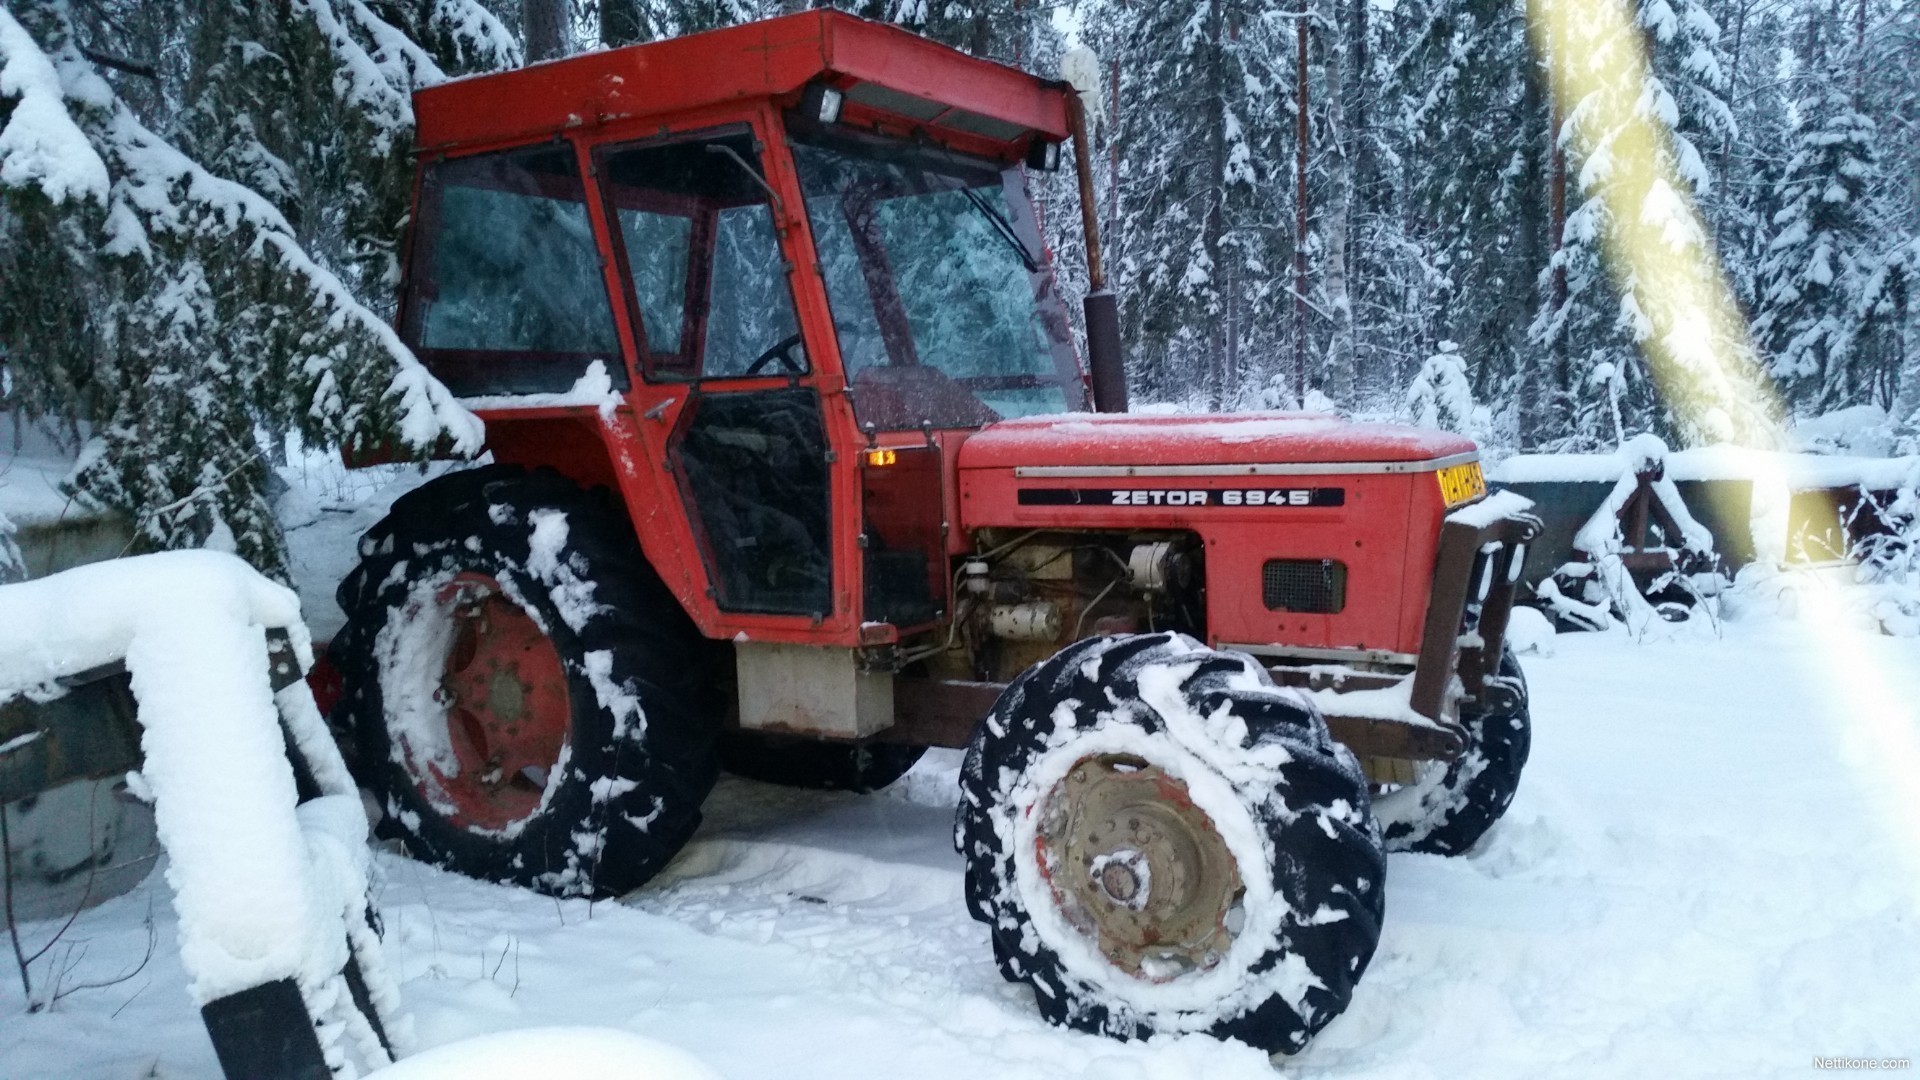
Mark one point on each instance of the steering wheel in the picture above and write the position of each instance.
(783, 351)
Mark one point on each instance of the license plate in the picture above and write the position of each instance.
(1461, 483)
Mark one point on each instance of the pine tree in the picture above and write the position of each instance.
(1822, 281)
(1198, 253)
(1441, 395)
(166, 312)
(1631, 332)
(1472, 129)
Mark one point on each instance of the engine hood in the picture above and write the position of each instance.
(1128, 439)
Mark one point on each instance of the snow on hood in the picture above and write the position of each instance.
(1240, 438)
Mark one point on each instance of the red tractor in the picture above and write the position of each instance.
(793, 473)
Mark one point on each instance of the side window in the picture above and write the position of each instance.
(702, 263)
(505, 293)
(657, 246)
(751, 310)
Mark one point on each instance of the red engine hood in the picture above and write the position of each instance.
(1237, 439)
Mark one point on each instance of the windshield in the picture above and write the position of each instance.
(944, 309)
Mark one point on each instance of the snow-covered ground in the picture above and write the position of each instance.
(1711, 870)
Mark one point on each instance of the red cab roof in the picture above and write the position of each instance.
(876, 65)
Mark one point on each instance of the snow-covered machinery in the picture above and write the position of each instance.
(792, 475)
(182, 671)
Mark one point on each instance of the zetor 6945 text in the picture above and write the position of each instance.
(795, 472)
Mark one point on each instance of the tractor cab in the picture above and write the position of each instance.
(784, 254)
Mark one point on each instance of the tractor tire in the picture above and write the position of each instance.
(815, 764)
(1162, 841)
(529, 702)
(1453, 803)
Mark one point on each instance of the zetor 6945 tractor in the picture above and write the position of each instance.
(794, 474)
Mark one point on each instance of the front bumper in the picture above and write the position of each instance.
(1416, 717)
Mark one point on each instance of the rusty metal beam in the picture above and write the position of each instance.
(1370, 737)
(1448, 604)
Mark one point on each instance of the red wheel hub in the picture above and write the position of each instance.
(508, 710)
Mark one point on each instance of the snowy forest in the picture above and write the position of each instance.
(1377, 206)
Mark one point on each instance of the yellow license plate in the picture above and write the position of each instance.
(1461, 483)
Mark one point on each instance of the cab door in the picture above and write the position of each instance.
(729, 395)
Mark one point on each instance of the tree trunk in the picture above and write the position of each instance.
(544, 23)
(1562, 374)
(1533, 377)
(1300, 209)
(1859, 52)
(1215, 227)
(1363, 205)
(620, 23)
(1339, 374)
(1113, 156)
(1733, 81)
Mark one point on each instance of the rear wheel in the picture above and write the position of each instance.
(1452, 804)
(1162, 841)
(529, 702)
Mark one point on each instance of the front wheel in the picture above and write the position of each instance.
(529, 702)
(1163, 841)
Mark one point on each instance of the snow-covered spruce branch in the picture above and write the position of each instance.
(201, 312)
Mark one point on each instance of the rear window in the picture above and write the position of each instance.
(505, 294)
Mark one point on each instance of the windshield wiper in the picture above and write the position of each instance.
(1004, 227)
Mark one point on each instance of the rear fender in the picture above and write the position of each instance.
(595, 449)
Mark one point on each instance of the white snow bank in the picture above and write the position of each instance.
(32, 467)
(577, 1053)
(1629, 916)
(30, 491)
(1863, 429)
(1530, 633)
(264, 891)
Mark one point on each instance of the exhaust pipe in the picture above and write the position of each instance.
(1109, 375)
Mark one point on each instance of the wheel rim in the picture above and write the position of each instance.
(508, 712)
(1139, 869)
